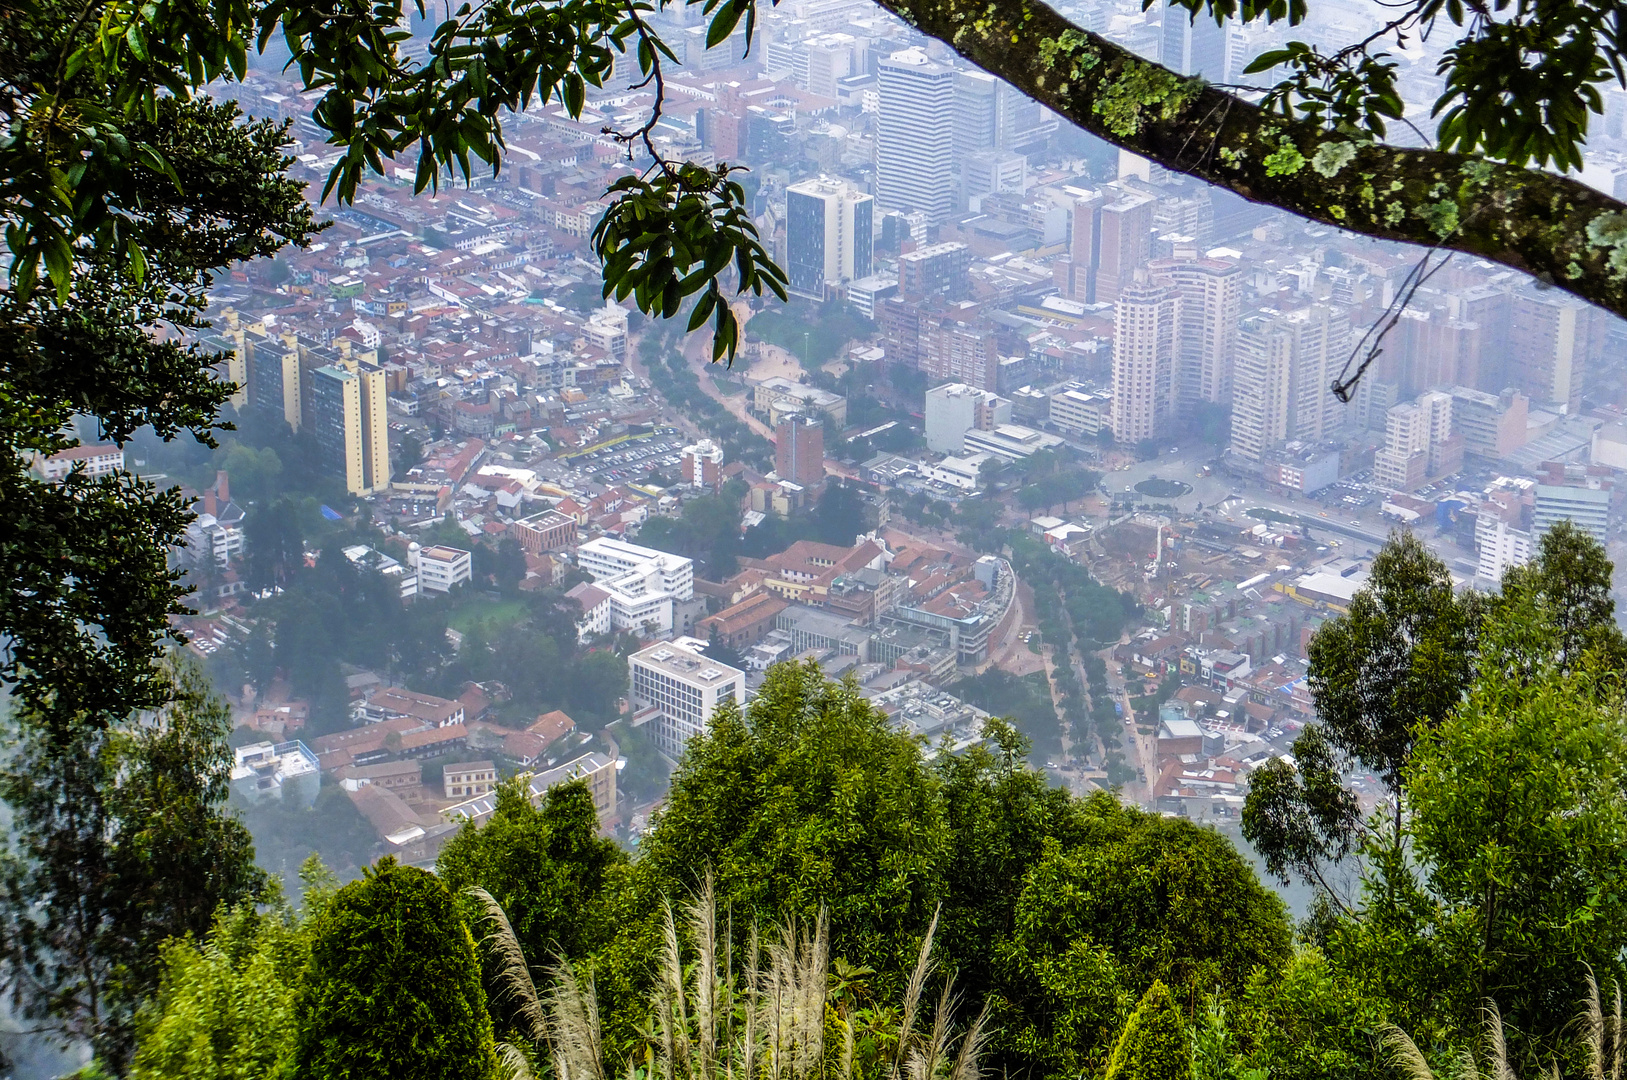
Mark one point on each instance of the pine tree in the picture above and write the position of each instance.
(1155, 1044)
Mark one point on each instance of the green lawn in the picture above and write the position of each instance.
(497, 614)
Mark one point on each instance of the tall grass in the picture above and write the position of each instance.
(1599, 1041)
(767, 1021)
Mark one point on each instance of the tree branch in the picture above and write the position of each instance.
(1556, 229)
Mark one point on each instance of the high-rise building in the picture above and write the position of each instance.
(915, 135)
(1260, 381)
(799, 450)
(990, 114)
(1418, 443)
(274, 377)
(953, 409)
(1211, 292)
(1550, 334)
(703, 465)
(1112, 239)
(1146, 339)
(348, 418)
(1193, 47)
(1321, 347)
(956, 346)
(828, 232)
(675, 690)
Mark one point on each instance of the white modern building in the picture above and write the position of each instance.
(954, 408)
(675, 690)
(960, 472)
(915, 136)
(1588, 508)
(1010, 441)
(641, 584)
(1499, 547)
(829, 229)
(440, 568)
(284, 771)
(1081, 411)
(1146, 338)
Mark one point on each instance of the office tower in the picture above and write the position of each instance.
(348, 418)
(993, 171)
(1488, 307)
(703, 465)
(1586, 507)
(828, 234)
(953, 409)
(1112, 239)
(976, 113)
(675, 691)
(914, 137)
(1260, 379)
(991, 115)
(935, 272)
(1211, 292)
(1193, 48)
(274, 378)
(1549, 337)
(799, 450)
(1146, 338)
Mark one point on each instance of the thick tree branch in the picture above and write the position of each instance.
(1549, 226)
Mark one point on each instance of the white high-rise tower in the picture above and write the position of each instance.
(915, 136)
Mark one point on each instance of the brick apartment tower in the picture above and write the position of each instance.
(799, 450)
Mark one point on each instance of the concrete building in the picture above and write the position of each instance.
(1492, 425)
(287, 772)
(274, 375)
(828, 233)
(776, 396)
(1285, 363)
(702, 465)
(440, 568)
(934, 272)
(675, 690)
(597, 771)
(1587, 507)
(1550, 334)
(1111, 240)
(1013, 442)
(1211, 294)
(1499, 546)
(915, 136)
(1146, 339)
(1080, 412)
(799, 450)
(642, 586)
(954, 408)
(1418, 443)
(348, 417)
